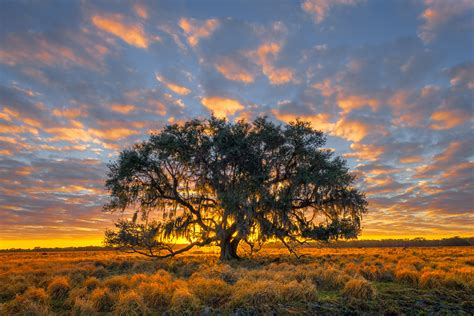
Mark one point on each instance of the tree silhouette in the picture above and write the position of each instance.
(213, 182)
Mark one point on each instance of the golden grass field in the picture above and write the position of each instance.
(378, 281)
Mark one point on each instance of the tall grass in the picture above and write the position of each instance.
(95, 283)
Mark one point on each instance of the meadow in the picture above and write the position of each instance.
(378, 281)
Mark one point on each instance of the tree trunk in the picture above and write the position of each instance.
(229, 249)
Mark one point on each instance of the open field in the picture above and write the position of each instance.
(388, 281)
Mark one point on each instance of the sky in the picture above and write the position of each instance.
(390, 82)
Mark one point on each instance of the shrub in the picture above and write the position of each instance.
(102, 299)
(212, 292)
(183, 301)
(33, 302)
(130, 303)
(359, 289)
(161, 276)
(432, 279)
(101, 272)
(294, 291)
(156, 295)
(138, 278)
(35, 294)
(91, 283)
(329, 278)
(83, 307)
(117, 283)
(250, 293)
(407, 276)
(59, 288)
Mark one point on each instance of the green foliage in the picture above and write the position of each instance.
(213, 182)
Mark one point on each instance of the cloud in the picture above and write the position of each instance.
(196, 30)
(132, 34)
(438, 13)
(222, 107)
(320, 121)
(411, 159)
(320, 8)
(365, 152)
(123, 108)
(265, 56)
(39, 49)
(173, 86)
(113, 133)
(351, 129)
(231, 70)
(446, 119)
(140, 10)
(69, 112)
(353, 102)
(462, 76)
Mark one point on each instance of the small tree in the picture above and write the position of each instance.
(213, 182)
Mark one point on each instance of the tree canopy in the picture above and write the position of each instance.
(214, 182)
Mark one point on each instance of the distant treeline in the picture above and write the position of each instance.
(416, 242)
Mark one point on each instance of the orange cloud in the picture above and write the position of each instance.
(233, 71)
(113, 133)
(18, 50)
(68, 134)
(352, 130)
(196, 30)
(222, 107)
(69, 113)
(17, 129)
(319, 8)
(173, 86)
(438, 13)
(132, 34)
(353, 102)
(326, 88)
(265, 56)
(123, 108)
(411, 159)
(366, 152)
(320, 121)
(140, 10)
(448, 119)
(439, 161)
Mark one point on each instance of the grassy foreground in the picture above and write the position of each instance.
(379, 281)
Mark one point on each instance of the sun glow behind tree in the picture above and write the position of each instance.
(212, 182)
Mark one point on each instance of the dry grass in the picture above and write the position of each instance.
(59, 288)
(374, 280)
(359, 289)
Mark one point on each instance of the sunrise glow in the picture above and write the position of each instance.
(390, 82)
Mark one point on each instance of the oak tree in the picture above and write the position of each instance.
(214, 182)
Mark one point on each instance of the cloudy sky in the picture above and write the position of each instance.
(390, 82)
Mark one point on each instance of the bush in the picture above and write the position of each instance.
(83, 307)
(432, 279)
(294, 291)
(33, 302)
(212, 292)
(130, 303)
(156, 295)
(329, 278)
(91, 283)
(117, 283)
(359, 289)
(407, 276)
(249, 293)
(183, 301)
(59, 288)
(102, 299)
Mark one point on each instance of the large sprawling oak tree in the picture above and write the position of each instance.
(213, 182)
